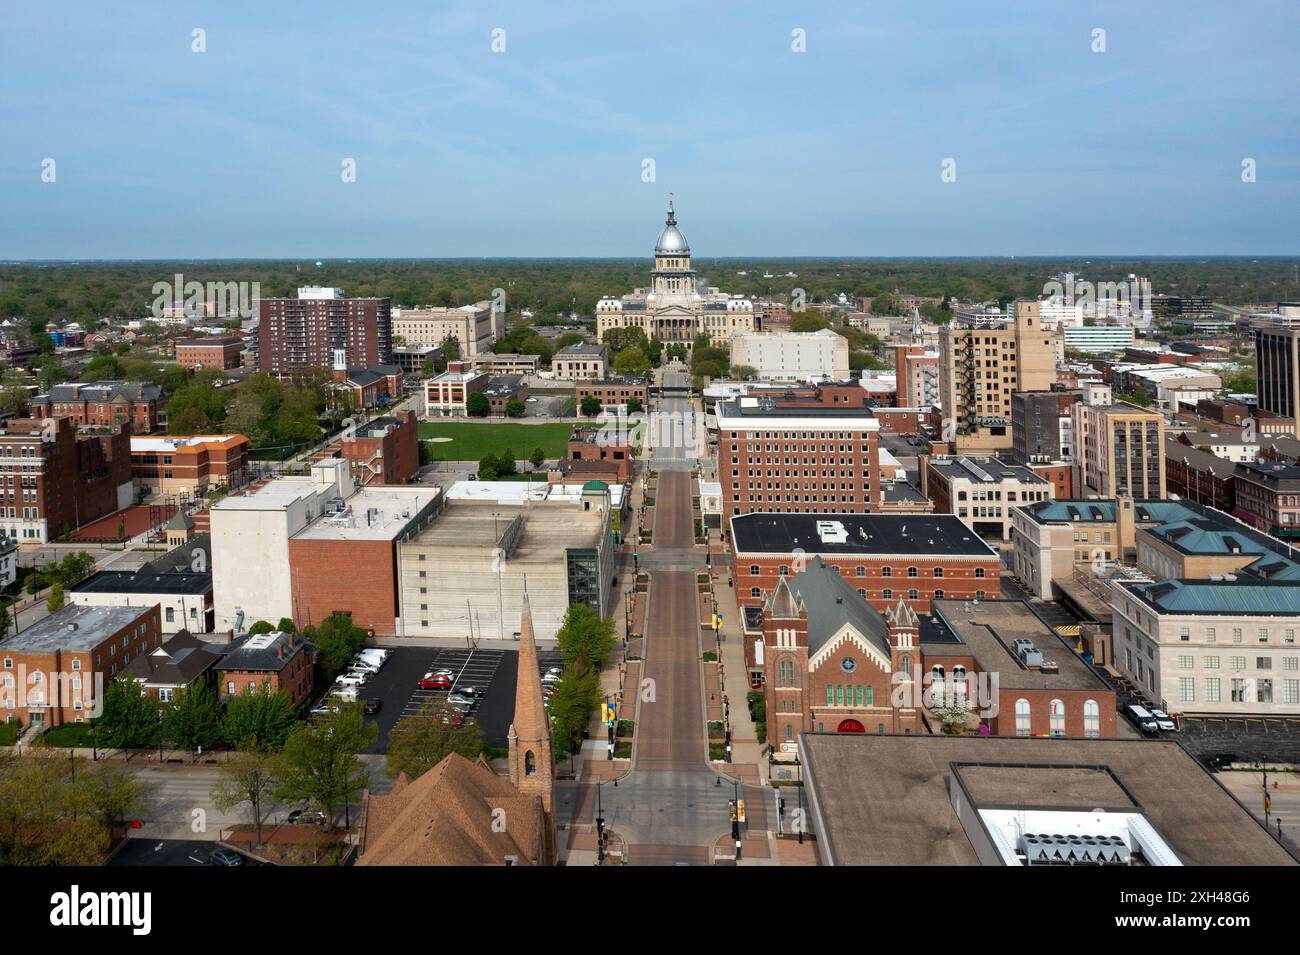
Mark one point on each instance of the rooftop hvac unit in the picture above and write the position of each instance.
(1057, 849)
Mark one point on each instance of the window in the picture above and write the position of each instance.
(1056, 717)
(165, 695)
(1211, 663)
(1187, 689)
(1022, 717)
(1238, 691)
(979, 573)
(887, 594)
(886, 572)
(230, 687)
(911, 572)
(1212, 689)
(938, 572)
(1210, 635)
(1264, 691)
(1091, 718)
(861, 571)
(1186, 662)
(1263, 663)
(830, 695)
(170, 614)
(1238, 663)
(1291, 691)
(753, 570)
(755, 592)
(1184, 633)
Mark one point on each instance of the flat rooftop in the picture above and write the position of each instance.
(93, 625)
(163, 445)
(884, 800)
(984, 470)
(144, 581)
(910, 535)
(373, 513)
(989, 629)
(473, 527)
(516, 492)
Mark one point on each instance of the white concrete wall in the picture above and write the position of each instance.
(180, 606)
(802, 356)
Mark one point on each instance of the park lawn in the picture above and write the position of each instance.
(68, 734)
(471, 440)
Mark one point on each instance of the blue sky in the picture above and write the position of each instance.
(538, 150)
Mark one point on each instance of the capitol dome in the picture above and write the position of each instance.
(671, 241)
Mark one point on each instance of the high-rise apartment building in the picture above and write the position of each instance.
(983, 361)
(1119, 449)
(310, 331)
(791, 459)
(1277, 369)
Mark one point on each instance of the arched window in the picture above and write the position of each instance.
(979, 572)
(783, 570)
(938, 571)
(1091, 718)
(913, 594)
(1056, 718)
(861, 571)
(938, 595)
(1022, 717)
(912, 572)
(887, 594)
(753, 570)
(959, 682)
(530, 763)
(937, 686)
(886, 572)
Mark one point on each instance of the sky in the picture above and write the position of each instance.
(558, 129)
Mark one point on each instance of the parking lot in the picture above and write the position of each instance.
(490, 671)
(170, 852)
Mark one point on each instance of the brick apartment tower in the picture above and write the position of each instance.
(532, 766)
(306, 331)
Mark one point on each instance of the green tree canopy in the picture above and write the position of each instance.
(319, 764)
(260, 719)
(585, 634)
(477, 405)
(419, 742)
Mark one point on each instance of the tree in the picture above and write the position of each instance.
(584, 633)
(337, 641)
(744, 372)
(319, 763)
(419, 742)
(114, 791)
(73, 569)
(44, 818)
(248, 778)
(260, 627)
(537, 458)
(506, 464)
(515, 408)
(258, 719)
(809, 321)
(35, 581)
(450, 349)
(54, 602)
(194, 720)
(953, 712)
(477, 405)
(487, 467)
(575, 699)
(591, 406)
(634, 406)
(569, 338)
(129, 719)
(286, 625)
(632, 361)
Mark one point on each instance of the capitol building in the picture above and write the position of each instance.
(675, 308)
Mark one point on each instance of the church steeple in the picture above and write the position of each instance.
(531, 763)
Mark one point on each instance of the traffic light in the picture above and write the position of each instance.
(731, 805)
(740, 810)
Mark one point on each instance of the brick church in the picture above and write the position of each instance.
(830, 659)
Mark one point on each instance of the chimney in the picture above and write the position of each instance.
(230, 636)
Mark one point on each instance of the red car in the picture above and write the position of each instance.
(434, 681)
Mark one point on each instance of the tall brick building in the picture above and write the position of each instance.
(803, 459)
(54, 480)
(385, 450)
(308, 330)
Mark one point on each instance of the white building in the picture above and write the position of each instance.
(676, 308)
(251, 578)
(792, 356)
(8, 560)
(476, 327)
(1098, 338)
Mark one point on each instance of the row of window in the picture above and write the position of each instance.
(861, 571)
(1056, 718)
(1243, 689)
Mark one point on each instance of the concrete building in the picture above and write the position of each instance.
(446, 395)
(102, 404)
(491, 363)
(967, 801)
(184, 599)
(1097, 339)
(1211, 647)
(1166, 384)
(1119, 449)
(307, 331)
(465, 573)
(53, 480)
(8, 560)
(792, 356)
(983, 361)
(797, 459)
(581, 361)
(1042, 429)
(221, 352)
(1277, 368)
(475, 328)
(676, 308)
(57, 669)
(189, 466)
(306, 547)
(982, 491)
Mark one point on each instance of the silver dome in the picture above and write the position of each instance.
(671, 241)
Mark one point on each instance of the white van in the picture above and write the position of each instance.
(1143, 719)
(1163, 720)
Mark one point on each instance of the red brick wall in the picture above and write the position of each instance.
(958, 581)
(296, 679)
(351, 575)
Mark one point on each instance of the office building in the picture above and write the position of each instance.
(310, 330)
(792, 356)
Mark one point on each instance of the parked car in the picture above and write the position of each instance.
(363, 665)
(324, 709)
(312, 817)
(551, 679)
(1164, 721)
(225, 857)
(375, 656)
(460, 701)
(350, 679)
(454, 719)
(469, 691)
(1221, 760)
(434, 681)
(1143, 720)
(346, 694)
(373, 706)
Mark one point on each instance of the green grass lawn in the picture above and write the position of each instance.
(471, 440)
(69, 734)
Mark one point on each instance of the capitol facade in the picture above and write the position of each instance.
(676, 308)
